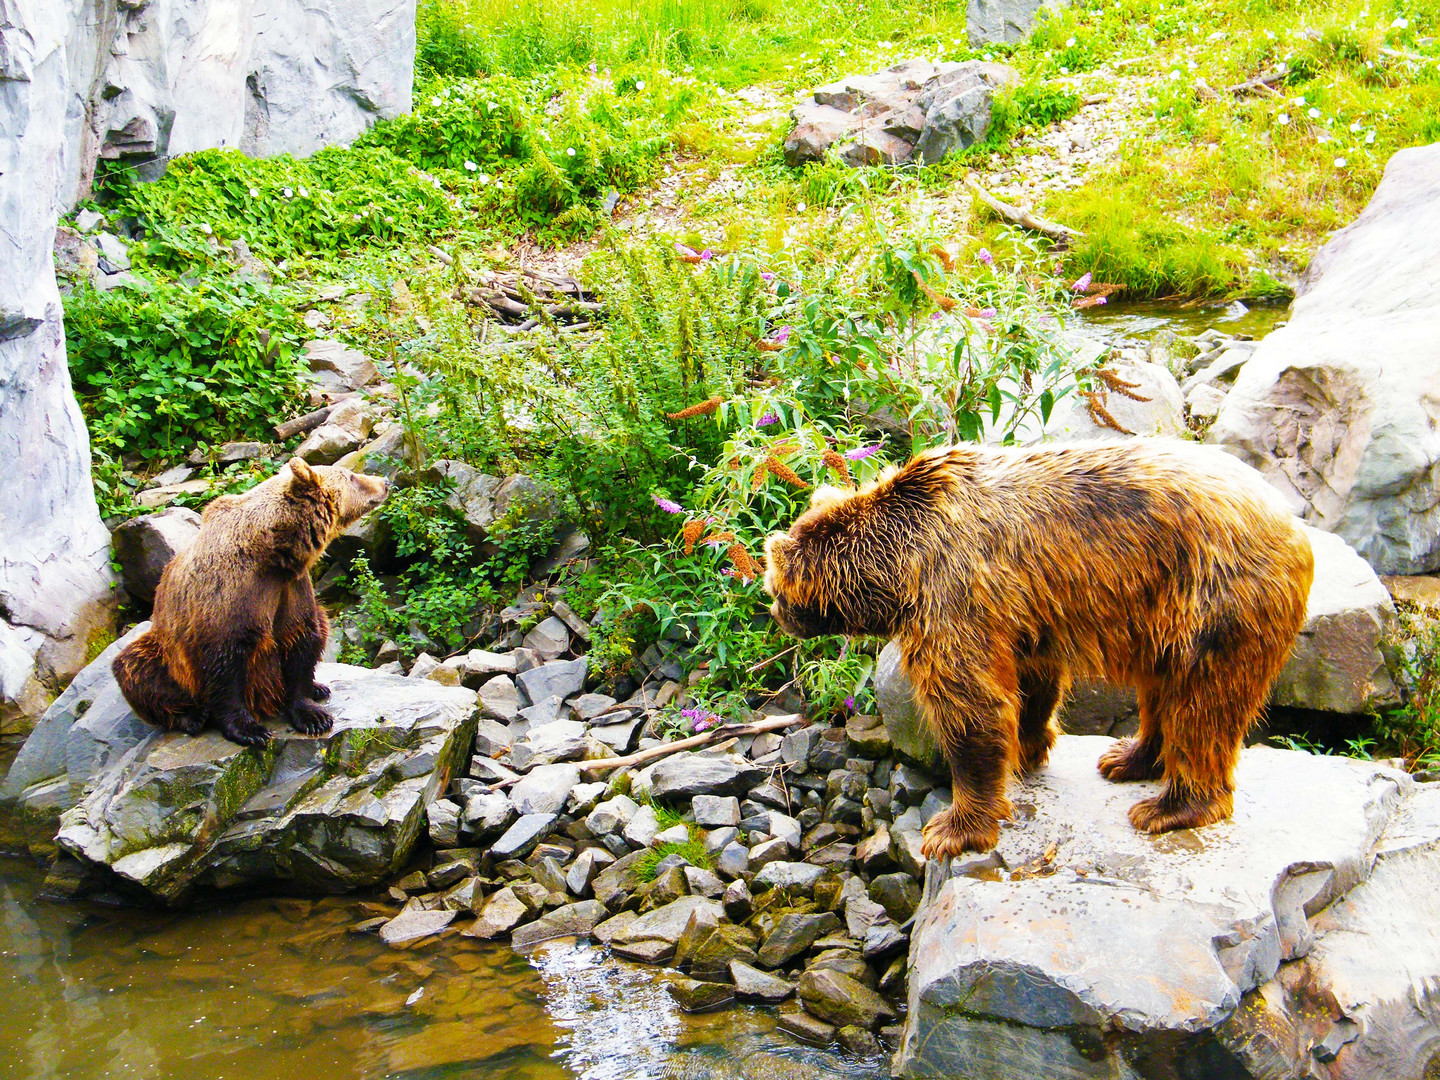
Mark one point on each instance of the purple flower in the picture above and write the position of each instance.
(1082, 282)
(781, 335)
(706, 255)
(860, 453)
(985, 257)
(934, 315)
(768, 419)
(850, 704)
(766, 276)
(670, 506)
(682, 249)
(1100, 300)
(987, 313)
(699, 718)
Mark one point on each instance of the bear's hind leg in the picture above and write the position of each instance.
(1040, 695)
(1141, 757)
(1204, 727)
(151, 690)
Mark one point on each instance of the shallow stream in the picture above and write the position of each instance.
(281, 989)
(1119, 323)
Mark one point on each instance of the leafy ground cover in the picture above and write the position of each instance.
(766, 330)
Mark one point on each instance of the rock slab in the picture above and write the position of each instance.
(169, 812)
(1338, 407)
(1134, 944)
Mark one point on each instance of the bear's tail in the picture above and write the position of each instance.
(151, 690)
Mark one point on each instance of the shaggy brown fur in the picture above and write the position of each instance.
(237, 632)
(1003, 573)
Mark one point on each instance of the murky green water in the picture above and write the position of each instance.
(280, 989)
(1119, 323)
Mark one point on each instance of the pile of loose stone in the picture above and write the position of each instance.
(810, 835)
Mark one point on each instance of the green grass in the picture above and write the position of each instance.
(692, 851)
(1221, 194)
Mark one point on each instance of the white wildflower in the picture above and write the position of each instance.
(800, 208)
(289, 194)
(1283, 119)
(570, 151)
(435, 101)
(1369, 138)
(1339, 163)
(1401, 23)
(1069, 43)
(470, 166)
(254, 193)
(205, 228)
(639, 84)
(1314, 113)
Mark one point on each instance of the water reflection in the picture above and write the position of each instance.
(1121, 323)
(280, 988)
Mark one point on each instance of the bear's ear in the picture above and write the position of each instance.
(302, 475)
(826, 496)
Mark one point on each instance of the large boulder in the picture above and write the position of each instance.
(56, 585)
(995, 22)
(1081, 946)
(1148, 402)
(145, 545)
(1337, 665)
(168, 812)
(1338, 407)
(914, 108)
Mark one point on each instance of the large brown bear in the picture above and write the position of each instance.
(237, 632)
(1003, 573)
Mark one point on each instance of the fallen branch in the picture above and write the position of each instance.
(1061, 234)
(309, 422)
(727, 731)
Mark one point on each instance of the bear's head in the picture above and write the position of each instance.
(348, 496)
(841, 569)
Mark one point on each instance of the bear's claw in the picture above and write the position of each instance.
(319, 692)
(309, 718)
(244, 729)
(950, 833)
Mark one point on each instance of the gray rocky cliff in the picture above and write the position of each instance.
(136, 81)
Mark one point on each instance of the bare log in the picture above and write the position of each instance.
(301, 424)
(726, 731)
(1061, 234)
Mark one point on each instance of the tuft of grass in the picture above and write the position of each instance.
(692, 850)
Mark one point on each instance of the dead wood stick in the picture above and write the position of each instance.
(704, 738)
(309, 422)
(777, 656)
(1061, 234)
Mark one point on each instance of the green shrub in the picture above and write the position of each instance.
(1029, 105)
(332, 202)
(480, 121)
(163, 368)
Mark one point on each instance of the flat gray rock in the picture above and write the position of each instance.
(1095, 927)
(687, 774)
(558, 678)
(524, 836)
(415, 924)
(544, 789)
(329, 813)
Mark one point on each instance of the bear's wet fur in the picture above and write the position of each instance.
(1003, 573)
(236, 630)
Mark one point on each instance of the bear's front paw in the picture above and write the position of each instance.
(242, 728)
(311, 719)
(952, 833)
(319, 692)
(192, 724)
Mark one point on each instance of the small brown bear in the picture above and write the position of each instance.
(236, 630)
(1004, 572)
